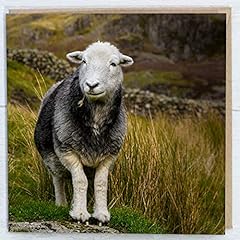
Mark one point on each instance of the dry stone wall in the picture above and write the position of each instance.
(47, 63)
(144, 102)
(137, 101)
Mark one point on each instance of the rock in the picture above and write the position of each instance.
(59, 227)
(183, 36)
(141, 102)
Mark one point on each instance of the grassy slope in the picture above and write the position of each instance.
(174, 82)
(48, 29)
(49, 32)
(24, 84)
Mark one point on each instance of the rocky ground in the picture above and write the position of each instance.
(59, 227)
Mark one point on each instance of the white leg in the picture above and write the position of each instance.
(101, 212)
(80, 184)
(59, 188)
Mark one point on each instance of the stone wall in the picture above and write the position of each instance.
(145, 102)
(47, 63)
(137, 101)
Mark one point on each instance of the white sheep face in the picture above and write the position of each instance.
(100, 72)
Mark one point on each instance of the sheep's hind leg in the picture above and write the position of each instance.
(59, 188)
(58, 172)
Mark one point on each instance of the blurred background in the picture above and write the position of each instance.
(176, 55)
(170, 174)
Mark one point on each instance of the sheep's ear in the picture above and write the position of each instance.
(75, 57)
(126, 61)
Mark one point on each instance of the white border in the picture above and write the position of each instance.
(48, 4)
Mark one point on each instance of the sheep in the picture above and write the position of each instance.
(82, 123)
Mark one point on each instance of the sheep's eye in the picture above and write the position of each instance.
(113, 64)
(84, 61)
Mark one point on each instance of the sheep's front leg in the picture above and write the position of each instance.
(80, 184)
(101, 212)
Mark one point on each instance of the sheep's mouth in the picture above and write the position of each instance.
(95, 95)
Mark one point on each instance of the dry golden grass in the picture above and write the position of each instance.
(170, 170)
(173, 171)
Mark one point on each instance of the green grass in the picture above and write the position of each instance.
(142, 79)
(127, 220)
(36, 210)
(23, 81)
(124, 219)
(23, 160)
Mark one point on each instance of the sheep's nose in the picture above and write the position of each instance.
(92, 85)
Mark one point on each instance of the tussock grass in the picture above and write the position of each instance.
(173, 172)
(169, 170)
(27, 174)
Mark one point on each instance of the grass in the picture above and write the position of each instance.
(23, 82)
(173, 171)
(50, 31)
(171, 81)
(141, 79)
(169, 176)
(36, 210)
(124, 219)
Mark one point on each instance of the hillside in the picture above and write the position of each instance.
(24, 84)
(187, 46)
(173, 35)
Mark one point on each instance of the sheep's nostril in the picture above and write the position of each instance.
(92, 85)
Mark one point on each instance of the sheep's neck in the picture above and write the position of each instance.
(98, 118)
(103, 115)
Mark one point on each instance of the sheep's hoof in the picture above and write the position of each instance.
(80, 216)
(102, 217)
(94, 221)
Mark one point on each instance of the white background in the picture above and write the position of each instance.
(47, 4)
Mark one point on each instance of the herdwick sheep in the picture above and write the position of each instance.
(82, 123)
